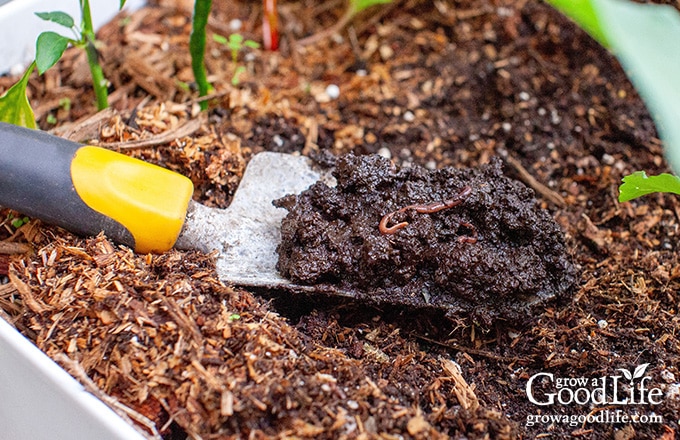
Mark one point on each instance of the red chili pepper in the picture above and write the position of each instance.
(270, 26)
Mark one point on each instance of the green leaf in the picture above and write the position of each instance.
(251, 44)
(217, 38)
(183, 85)
(19, 222)
(49, 47)
(584, 14)
(122, 3)
(359, 5)
(58, 17)
(644, 38)
(14, 106)
(65, 103)
(639, 184)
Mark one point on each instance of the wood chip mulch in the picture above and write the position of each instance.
(162, 335)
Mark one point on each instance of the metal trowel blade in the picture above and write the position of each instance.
(247, 232)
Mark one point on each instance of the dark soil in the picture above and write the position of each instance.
(428, 83)
(487, 253)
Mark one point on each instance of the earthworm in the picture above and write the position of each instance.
(428, 209)
(384, 229)
(468, 239)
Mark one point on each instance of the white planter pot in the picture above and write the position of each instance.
(19, 26)
(38, 399)
(42, 401)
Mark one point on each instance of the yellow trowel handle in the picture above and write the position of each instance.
(88, 189)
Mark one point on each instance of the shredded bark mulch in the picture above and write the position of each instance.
(433, 84)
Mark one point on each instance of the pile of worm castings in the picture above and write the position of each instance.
(461, 240)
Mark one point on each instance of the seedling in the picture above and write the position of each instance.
(17, 222)
(236, 43)
(65, 104)
(49, 48)
(197, 45)
(644, 39)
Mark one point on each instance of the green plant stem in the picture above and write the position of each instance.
(197, 44)
(99, 82)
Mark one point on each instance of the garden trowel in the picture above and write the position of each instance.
(89, 189)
